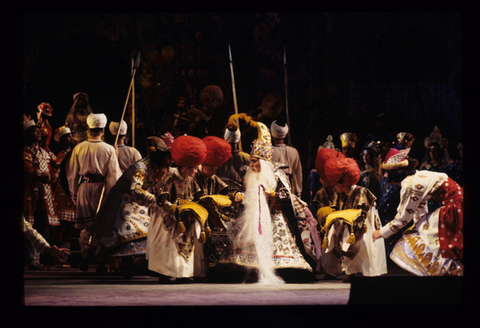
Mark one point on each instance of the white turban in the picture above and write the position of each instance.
(278, 131)
(96, 120)
(60, 132)
(232, 136)
(114, 128)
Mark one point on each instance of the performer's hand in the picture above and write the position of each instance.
(238, 197)
(376, 235)
(60, 253)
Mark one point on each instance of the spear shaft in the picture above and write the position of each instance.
(234, 92)
(286, 96)
(134, 70)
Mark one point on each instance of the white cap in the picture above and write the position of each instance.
(232, 136)
(278, 131)
(114, 128)
(96, 121)
(60, 132)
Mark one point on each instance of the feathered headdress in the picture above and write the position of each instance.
(262, 145)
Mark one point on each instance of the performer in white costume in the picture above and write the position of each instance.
(364, 256)
(126, 155)
(433, 246)
(91, 171)
(178, 220)
(263, 237)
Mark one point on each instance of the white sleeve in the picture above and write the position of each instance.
(409, 202)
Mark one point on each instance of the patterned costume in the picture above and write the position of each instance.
(64, 205)
(433, 246)
(37, 162)
(363, 256)
(368, 257)
(37, 241)
(121, 226)
(44, 111)
(218, 151)
(177, 220)
(38, 175)
(279, 229)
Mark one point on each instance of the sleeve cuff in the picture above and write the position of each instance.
(386, 232)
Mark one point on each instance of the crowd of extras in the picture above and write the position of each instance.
(176, 209)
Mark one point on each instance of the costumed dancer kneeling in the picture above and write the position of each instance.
(362, 256)
(120, 227)
(433, 246)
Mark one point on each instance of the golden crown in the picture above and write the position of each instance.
(262, 149)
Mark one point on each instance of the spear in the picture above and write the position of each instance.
(286, 95)
(133, 105)
(134, 70)
(234, 93)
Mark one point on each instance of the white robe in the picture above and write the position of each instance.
(91, 157)
(127, 156)
(163, 252)
(418, 251)
(369, 257)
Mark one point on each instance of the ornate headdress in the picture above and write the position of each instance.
(435, 136)
(402, 137)
(60, 132)
(157, 143)
(28, 123)
(348, 139)
(45, 108)
(395, 159)
(328, 143)
(262, 146)
(167, 138)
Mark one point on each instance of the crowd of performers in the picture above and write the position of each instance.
(197, 207)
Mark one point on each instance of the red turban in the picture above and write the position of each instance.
(188, 151)
(342, 170)
(218, 150)
(322, 156)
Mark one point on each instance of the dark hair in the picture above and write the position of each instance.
(162, 158)
(398, 175)
(95, 131)
(28, 134)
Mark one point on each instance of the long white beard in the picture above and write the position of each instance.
(255, 223)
